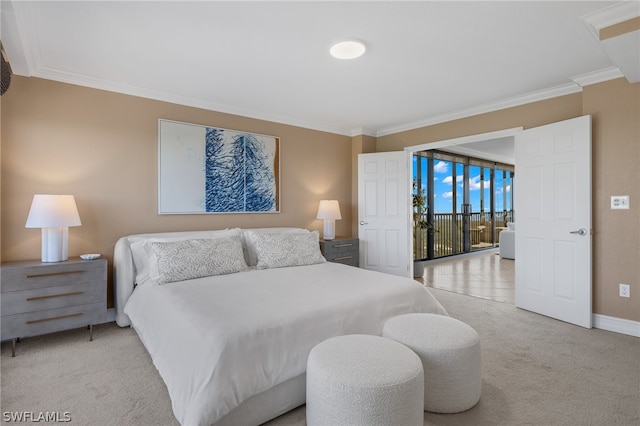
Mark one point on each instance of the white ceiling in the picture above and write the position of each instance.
(426, 61)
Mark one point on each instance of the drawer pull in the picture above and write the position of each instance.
(343, 245)
(343, 258)
(79, 314)
(75, 293)
(49, 274)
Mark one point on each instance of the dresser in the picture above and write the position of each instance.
(39, 298)
(341, 250)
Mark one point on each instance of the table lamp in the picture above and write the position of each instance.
(54, 214)
(329, 211)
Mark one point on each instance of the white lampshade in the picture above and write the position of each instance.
(54, 214)
(329, 211)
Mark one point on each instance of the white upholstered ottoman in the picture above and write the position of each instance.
(364, 380)
(450, 354)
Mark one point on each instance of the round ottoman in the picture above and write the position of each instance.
(450, 354)
(364, 380)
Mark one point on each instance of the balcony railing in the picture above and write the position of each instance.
(448, 233)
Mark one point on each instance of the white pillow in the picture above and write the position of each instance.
(511, 226)
(188, 259)
(290, 249)
(249, 247)
(143, 256)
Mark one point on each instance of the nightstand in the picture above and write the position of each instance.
(341, 250)
(40, 298)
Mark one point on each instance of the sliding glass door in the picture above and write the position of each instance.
(469, 202)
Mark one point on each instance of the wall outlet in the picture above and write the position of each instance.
(625, 290)
(620, 202)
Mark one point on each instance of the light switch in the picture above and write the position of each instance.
(619, 202)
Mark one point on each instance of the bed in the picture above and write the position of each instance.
(229, 316)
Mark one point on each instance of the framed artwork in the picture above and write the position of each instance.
(205, 169)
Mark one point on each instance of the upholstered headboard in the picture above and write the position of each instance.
(124, 270)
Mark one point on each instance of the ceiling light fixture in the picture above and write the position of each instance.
(349, 49)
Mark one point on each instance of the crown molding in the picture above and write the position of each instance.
(111, 86)
(363, 131)
(21, 40)
(553, 92)
(612, 15)
(600, 76)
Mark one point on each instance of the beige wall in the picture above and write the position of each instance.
(615, 108)
(102, 148)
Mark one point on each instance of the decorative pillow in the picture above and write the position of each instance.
(250, 250)
(282, 250)
(511, 226)
(143, 256)
(188, 259)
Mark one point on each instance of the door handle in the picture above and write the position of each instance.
(362, 222)
(582, 232)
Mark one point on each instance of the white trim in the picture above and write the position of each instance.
(600, 76)
(539, 95)
(111, 86)
(26, 43)
(612, 15)
(363, 131)
(617, 325)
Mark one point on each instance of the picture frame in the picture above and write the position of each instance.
(212, 170)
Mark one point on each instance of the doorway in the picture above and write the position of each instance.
(469, 201)
(480, 272)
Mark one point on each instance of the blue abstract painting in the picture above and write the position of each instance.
(213, 170)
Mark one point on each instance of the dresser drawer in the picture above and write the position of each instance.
(51, 320)
(341, 250)
(351, 259)
(341, 247)
(33, 275)
(17, 302)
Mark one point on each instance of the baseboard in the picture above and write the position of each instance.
(618, 325)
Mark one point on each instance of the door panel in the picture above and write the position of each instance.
(553, 200)
(383, 213)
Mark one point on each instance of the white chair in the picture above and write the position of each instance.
(450, 353)
(364, 380)
(507, 241)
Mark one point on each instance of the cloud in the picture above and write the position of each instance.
(441, 167)
(447, 194)
(474, 184)
(449, 179)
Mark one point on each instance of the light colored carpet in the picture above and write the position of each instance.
(536, 371)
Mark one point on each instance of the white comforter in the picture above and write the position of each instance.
(217, 341)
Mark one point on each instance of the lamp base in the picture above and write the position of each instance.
(55, 244)
(329, 229)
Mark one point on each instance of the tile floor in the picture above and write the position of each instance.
(483, 274)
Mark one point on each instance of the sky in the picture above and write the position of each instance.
(444, 177)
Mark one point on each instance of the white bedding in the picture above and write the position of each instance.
(217, 341)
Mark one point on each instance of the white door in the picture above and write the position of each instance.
(553, 220)
(384, 189)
